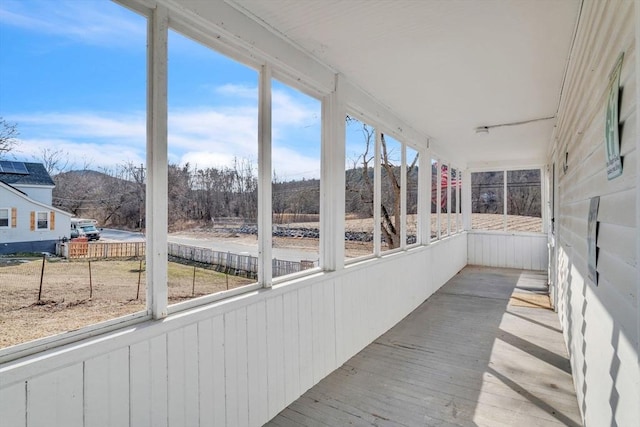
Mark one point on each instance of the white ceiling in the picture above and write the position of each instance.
(444, 67)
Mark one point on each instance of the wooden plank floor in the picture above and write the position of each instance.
(466, 357)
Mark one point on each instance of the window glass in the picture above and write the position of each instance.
(360, 142)
(4, 217)
(391, 189)
(487, 200)
(412, 196)
(524, 207)
(74, 88)
(444, 201)
(454, 200)
(435, 185)
(459, 193)
(295, 160)
(43, 220)
(212, 171)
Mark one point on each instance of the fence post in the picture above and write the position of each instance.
(90, 282)
(139, 276)
(193, 284)
(41, 278)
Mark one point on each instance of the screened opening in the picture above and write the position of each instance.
(391, 191)
(524, 200)
(522, 209)
(76, 93)
(212, 171)
(412, 190)
(359, 188)
(295, 190)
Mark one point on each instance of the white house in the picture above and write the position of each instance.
(28, 222)
(491, 85)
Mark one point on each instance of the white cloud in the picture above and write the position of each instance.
(238, 91)
(94, 22)
(292, 165)
(288, 111)
(203, 137)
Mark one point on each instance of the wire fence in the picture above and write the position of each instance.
(235, 264)
(45, 296)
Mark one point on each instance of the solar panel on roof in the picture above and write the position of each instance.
(18, 168)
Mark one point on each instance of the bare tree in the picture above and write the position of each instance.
(8, 137)
(361, 192)
(54, 161)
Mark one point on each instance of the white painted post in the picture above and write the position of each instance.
(157, 169)
(466, 200)
(449, 199)
(439, 198)
(403, 198)
(332, 182)
(637, 47)
(504, 200)
(377, 194)
(458, 201)
(265, 239)
(424, 197)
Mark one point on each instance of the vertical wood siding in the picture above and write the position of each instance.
(600, 322)
(239, 365)
(521, 251)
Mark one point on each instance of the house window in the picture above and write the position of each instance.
(4, 217)
(43, 221)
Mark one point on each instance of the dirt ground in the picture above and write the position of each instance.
(71, 299)
(78, 293)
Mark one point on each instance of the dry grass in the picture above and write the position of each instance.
(67, 302)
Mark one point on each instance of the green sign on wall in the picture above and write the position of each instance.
(612, 119)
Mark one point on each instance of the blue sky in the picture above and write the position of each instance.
(72, 77)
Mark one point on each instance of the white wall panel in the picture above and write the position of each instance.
(148, 382)
(257, 375)
(56, 398)
(207, 378)
(306, 341)
(106, 398)
(523, 251)
(219, 370)
(600, 321)
(275, 355)
(231, 367)
(291, 347)
(13, 405)
(183, 379)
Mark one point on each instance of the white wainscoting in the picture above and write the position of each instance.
(236, 362)
(508, 250)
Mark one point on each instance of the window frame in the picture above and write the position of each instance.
(8, 217)
(505, 171)
(39, 221)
